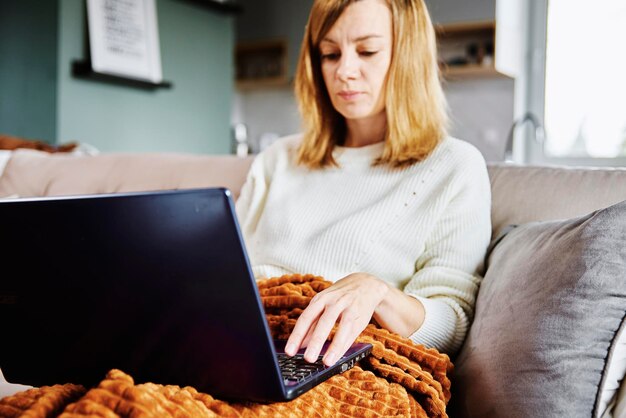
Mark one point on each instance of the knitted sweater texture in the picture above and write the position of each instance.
(424, 229)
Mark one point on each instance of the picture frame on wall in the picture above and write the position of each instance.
(124, 39)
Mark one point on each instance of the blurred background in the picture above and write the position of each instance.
(523, 81)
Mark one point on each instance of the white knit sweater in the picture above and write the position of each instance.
(425, 229)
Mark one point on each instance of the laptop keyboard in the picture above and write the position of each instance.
(296, 369)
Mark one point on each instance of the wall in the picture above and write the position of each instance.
(481, 113)
(271, 110)
(273, 19)
(267, 112)
(449, 11)
(193, 116)
(28, 69)
(481, 110)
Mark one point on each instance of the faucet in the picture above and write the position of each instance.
(539, 133)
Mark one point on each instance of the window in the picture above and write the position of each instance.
(585, 79)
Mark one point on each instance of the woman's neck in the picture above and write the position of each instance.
(368, 131)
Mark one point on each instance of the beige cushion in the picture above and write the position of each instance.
(33, 173)
(522, 194)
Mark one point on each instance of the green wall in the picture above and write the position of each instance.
(193, 116)
(28, 65)
(39, 98)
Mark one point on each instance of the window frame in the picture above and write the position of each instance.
(531, 86)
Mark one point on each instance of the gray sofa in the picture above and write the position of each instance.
(547, 338)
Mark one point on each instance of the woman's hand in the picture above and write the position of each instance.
(351, 301)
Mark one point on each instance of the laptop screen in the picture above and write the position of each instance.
(156, 284)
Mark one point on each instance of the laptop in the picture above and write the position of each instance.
(156, 284)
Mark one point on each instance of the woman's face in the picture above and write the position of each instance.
(355, 57)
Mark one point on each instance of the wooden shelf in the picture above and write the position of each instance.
(224, 6)
(469, 71)
(262, 83)
(463, 28)
(467, 50)
(261, 64)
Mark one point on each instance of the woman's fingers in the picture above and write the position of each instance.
(305, 325)
(353, 299)
(307, 338)
(350, 326)
(324, 326)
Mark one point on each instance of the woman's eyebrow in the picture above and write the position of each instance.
(357, 39)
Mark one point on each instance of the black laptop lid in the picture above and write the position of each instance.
(155, 284)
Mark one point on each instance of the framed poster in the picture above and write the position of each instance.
(124, 39)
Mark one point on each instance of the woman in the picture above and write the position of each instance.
(373, 196)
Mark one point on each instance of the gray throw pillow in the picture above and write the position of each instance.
(547, 315)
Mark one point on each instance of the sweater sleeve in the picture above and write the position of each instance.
(448, 271)
(251, 201)
(253, 196)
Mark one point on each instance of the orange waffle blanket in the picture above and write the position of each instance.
(400, 378)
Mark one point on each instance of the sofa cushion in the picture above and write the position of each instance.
(34, 173)
(547, 318)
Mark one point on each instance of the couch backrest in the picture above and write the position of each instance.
(524, 193)
(520, 193)
(33, 173)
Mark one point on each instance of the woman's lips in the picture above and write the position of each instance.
(349, 94)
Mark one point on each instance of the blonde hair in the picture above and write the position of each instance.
(415, 106)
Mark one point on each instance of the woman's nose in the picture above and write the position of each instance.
(348, 67)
